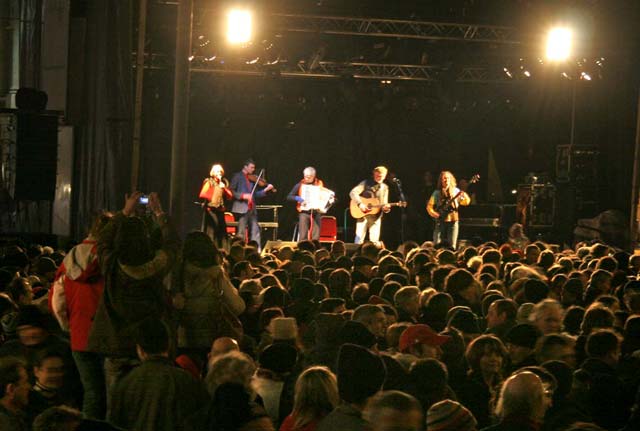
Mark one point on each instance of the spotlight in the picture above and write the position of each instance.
(559, 41)
(585, 76)
(527, 73)
(239, 26)
(506, 71)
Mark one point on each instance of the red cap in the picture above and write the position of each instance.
(421, 334)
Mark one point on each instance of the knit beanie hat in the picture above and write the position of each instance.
(361, 373)
(449, 415)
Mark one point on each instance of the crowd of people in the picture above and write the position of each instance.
(135, 328)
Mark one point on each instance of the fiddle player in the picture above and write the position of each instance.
(245, 194)
(214, 191)
(308, 219)
(443, 207)
(371, 188)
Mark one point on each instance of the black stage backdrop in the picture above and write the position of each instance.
(345, 127)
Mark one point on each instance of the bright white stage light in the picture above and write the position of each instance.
(559, 41)
(239, 26)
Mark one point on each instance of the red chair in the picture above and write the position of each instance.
(229, 218)
(328, 229)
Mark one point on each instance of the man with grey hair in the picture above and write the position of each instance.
(371, 188)
(522, 403)
(407, 301)
(373, 318)
(547, 316)
(308, 219)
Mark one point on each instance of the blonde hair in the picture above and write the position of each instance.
(217, 167)
(452, 180)
(234, 367)
(381, 169)
(316, 395)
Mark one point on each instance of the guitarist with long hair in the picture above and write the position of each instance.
(371, 188)
(443, 207)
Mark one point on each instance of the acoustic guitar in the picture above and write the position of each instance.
(373, 207)
(445, 206)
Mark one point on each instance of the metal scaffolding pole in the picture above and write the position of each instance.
(137, 111)
(180, 134)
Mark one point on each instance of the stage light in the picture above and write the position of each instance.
(239, 26)
(585, 76)
(527, 73)
(559, 41)
(506, 71)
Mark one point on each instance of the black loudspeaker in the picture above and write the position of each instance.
(36, 157)
(31, 99)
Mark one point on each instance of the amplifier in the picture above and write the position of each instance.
(480, 222)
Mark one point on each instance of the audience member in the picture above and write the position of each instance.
(449, 415)
(316, 395)
(521, 405)
(14, 394)
(394, 410)
(156, 395)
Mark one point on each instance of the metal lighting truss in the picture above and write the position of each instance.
(376, 27)
(403, 29)
(329, 69)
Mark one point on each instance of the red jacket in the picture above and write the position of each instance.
(76, 292)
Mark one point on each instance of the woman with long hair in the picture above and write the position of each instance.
(487, 358)
(316, 395)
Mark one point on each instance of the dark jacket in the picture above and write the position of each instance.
(10, 421)
(598, 389)
(156, 396)
(343, 418)
(239, 186)
(476, 396)
(131, 293)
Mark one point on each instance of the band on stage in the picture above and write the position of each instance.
(369, 202)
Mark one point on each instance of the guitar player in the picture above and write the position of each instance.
(371, 188)
(443, 207)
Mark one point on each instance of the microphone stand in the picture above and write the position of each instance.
(403, 215)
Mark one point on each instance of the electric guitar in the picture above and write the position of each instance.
(445, 206)
(373, 207)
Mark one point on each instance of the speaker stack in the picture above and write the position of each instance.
(29, 149)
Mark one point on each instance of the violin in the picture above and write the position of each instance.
(261, 183)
